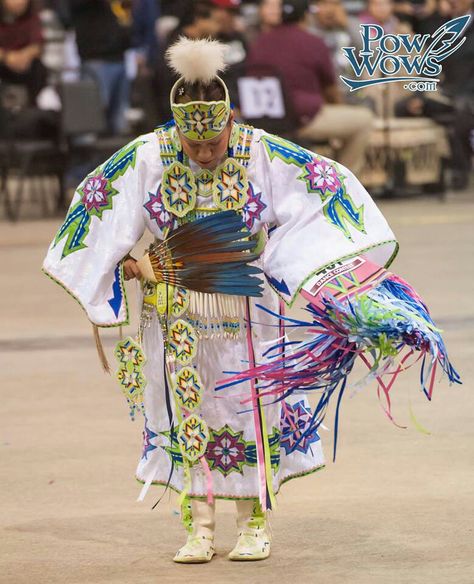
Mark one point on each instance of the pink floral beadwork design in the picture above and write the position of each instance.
(226, 451)
(96, 193)
(158, 212)
(322, 177)
(253, 208)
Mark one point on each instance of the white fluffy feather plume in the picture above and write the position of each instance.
(196, 60)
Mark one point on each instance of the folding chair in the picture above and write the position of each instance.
(24, 158)
(83, 122)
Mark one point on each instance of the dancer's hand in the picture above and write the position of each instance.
(130, 269)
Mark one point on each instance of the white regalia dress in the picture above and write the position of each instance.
(313, 212)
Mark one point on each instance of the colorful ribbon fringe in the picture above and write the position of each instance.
(384, 326)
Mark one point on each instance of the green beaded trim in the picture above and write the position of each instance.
(122, 289)
(292, 300)
(234, 498)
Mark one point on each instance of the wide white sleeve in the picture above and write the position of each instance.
(105, 220)
(322, 215)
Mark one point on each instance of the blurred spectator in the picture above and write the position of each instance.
(172, 7)
(381, 12)
(458, 69)
(269, 16)
(305, 65)
(453, 104)
(330, 21)
(432, 21)
(199, 19)
(414, 11)
(103, 35)
(145, 14)
(230, 30)
(22, 75)
(21, 46)
(231, 35)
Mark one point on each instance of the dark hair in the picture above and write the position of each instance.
(294, 10)
(192, 10)
(199, 91)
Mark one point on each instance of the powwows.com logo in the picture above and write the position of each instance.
(414, 59)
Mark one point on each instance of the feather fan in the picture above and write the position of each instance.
(212, 254)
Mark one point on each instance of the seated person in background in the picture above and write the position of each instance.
(431, 21)
(145, 14)
(21, 46)
(381, 97)
(231, 30)
(269, 16)
(414, 11)
(103, 35)
(381, 12)
(330, 21)
(232, 36)
(22, 74)
(305, 65)
(453, 104)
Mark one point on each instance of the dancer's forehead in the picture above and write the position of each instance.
(211, 142)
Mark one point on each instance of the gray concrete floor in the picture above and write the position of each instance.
(397, 507)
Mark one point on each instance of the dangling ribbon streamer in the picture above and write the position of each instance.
(266, 496)
(207, 471)
(169, 411)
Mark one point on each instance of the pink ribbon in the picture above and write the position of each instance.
(258, 431)
(207, 472)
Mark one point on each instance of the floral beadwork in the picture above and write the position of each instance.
(188, 388)
(230, 186)
(96, 193)
(253, 207)
(182, 341)
(321, 177)
(295, 420)
(178, 188)
(226, 451)
(324, 178)
(193, 436)
(129, 374)
(96, 196)
(158, 212)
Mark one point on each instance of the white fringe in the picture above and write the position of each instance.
(216, 315)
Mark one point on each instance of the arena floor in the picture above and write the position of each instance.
(397, 507)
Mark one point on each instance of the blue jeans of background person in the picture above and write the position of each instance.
(115, 89)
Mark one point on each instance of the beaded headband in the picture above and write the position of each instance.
(200, 120)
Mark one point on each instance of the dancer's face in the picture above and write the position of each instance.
(210, 153)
